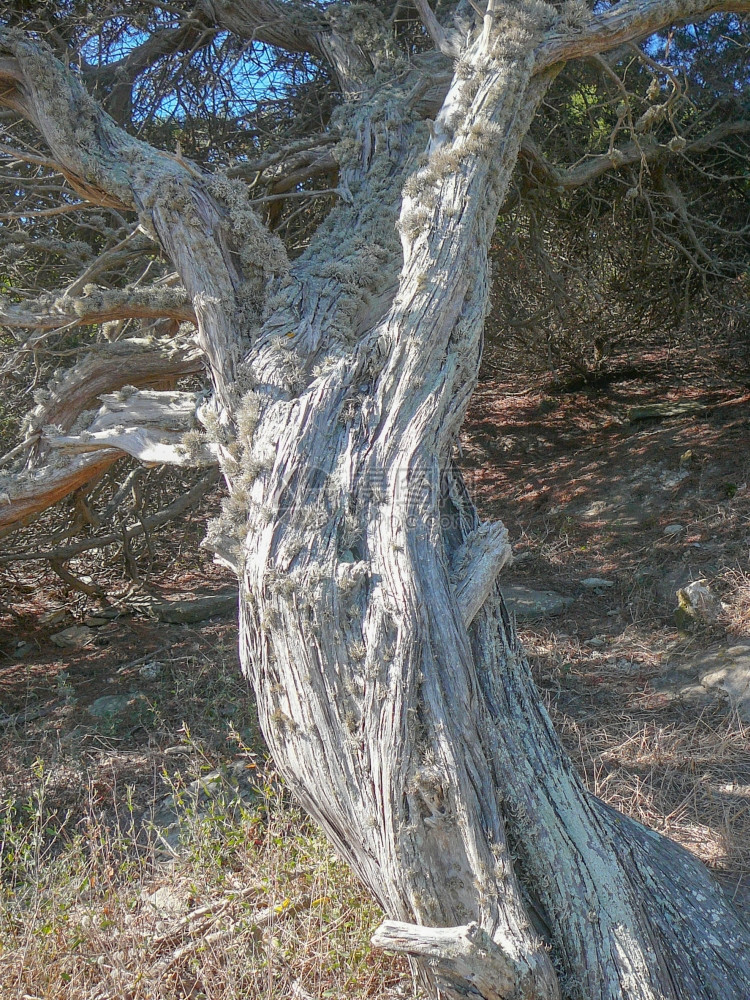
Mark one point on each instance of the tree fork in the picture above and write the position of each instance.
(390, 685)
(401, 746)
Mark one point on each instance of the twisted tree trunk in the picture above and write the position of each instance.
(393, 693)
(391, 687)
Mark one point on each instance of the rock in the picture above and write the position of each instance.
(526, 603)
(115, 704)
(620, 512)
(596, 643)
(96, 621)
(151, 670)
(673, 529)
(696, 695)
(596, 583)
(54, 617)
(166, 901)
(671, 479)
(209, 784)
(733, 677)
(75, 637)
(697, 603)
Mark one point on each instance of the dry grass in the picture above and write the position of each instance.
(687, 777)
(680, 767)
(251, 904)
(735, 616)
(246, 900)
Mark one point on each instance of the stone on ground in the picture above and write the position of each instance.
(697, 602)
(526, 603)
(115, 704)
(75, 637)
(731, 673)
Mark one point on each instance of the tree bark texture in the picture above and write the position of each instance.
(408, 725)
(391, 687)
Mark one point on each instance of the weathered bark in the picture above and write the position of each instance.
(23, 497)
(43, 478)
(419, 745)
(391, 688)
(143, 364)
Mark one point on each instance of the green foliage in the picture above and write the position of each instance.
(584, 108)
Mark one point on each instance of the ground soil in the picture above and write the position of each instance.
(584, 493)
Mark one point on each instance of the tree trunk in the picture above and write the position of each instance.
(391, 688)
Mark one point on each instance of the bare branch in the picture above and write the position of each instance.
(99, 305)
(624, 22)
(294, 27)
(324, 192)
(295, 153)
(443, 41)
(63, 552)
(119, 76)
(330, 34)
(644, 151)
(172, 197)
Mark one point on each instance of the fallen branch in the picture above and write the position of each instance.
(141, 659)
(661, 411)
(190, 611)
(28, 716)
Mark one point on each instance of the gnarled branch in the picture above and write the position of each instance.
(154, 427)
(187, 212)
(624, 22)
(96, 305)
(137, 362)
